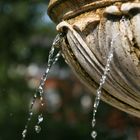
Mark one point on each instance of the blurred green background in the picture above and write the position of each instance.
(26, 35)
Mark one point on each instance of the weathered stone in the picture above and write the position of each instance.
(90, 26)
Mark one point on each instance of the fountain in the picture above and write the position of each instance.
(90, 27)
(100, 41)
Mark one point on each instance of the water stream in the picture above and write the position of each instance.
(52, 59)
(99, 90)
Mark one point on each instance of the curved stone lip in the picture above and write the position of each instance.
(59, 10)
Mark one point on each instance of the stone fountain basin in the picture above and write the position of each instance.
(90, 28)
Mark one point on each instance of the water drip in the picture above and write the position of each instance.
(52, 59)
(37, 129)
(40, 118)
(24, 133)
(94, 134)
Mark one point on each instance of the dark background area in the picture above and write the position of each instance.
(26, 35)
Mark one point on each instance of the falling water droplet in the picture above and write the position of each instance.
(24, 133)
(95, 105)
(40, 118)
(93, 122)
(94, 134)
(37, 129)
(47, 70)
(40, 89)
(31, 113)
(41, 98)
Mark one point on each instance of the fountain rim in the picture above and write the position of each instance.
(59, 10)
